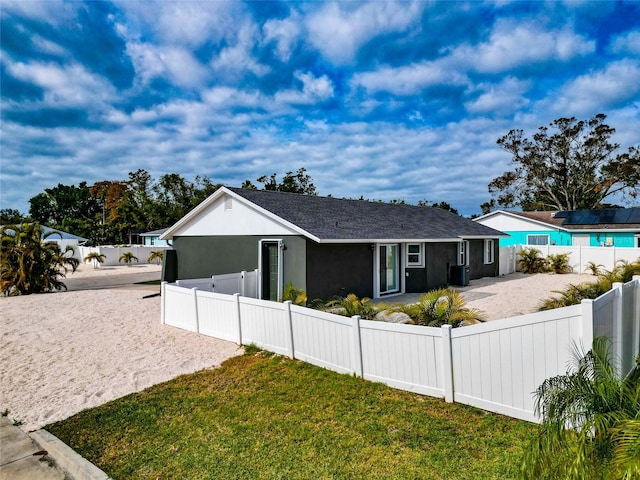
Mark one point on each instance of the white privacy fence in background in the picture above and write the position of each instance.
(244, 283)
(113, 254)
(495, 365)
(579, 257)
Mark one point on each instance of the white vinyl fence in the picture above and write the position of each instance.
(495, 365)
(579, 257)
(113, 254)
(244, 283)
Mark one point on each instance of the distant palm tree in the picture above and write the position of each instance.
(31, 264)
(96, 258)
(156, 255)
(128, 258)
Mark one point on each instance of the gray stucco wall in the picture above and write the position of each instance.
(199, 257)
(439, 257)
(477, 267)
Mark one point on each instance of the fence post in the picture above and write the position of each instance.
(587, 324)
(194, 290)
(236, 298)
(635, 316)
(447, 364)
(213, 283)
(243, 284)
(618, 324)
(257, 284)
(289, 327)
(357, 346)
(163, 301)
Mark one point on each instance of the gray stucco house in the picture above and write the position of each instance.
(327, 245)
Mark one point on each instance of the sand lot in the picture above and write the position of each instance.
(61, 353)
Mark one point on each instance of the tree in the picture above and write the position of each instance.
(156, 255)
(30, 263)
(10, 216)
(298, 182)
(573, 166)
(591, 421)
(128, 258)
(96, 258)
(442, 205)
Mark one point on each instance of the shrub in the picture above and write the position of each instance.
(441, 307)
(574, 294)
(559, 263)
(128, 258)
(594, 269)
(531, 261)
(352, 305)
(295, 295)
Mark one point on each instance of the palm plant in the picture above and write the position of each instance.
(128, 258)
(297, 296)
(442, 307)
(352, 305)
(531, 261)
(559, 263)
(29, 263)
(594, 268)
(156, 255)
(96, 258)
(574, 294)
(591, 421)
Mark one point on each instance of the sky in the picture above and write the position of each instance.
(384, 100)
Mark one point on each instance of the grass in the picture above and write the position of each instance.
(262, 416)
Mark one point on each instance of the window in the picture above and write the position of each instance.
(537, 239)
(463, 253)
(414, 255)
(488, 252)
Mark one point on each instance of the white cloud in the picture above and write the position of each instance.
(505, 97)
(628, 43)
(598, 92)
(513, 45)
(64, 86)
(238, 57)
(410, 79)
(285, 33)
(339, 33)
(178, 65)
(314, 90)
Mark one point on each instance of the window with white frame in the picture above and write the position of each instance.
(415, 255)
(537, 239)
(489, 252)
(463, 253)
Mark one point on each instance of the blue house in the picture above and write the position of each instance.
(151, 239)
(619, 227)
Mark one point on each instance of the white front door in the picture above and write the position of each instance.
(580, 240)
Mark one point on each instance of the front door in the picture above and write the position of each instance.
(389, 271)
(270, 270)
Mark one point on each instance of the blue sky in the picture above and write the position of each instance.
(386, 100)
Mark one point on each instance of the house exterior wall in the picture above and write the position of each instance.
(154, 240)
(339, 269)
(477, 267)
(520, 237)
(618, 239)
(439, 258)
(200, 257)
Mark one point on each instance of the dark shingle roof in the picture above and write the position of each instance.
(330, 218)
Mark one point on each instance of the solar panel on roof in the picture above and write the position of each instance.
(563, 214)
(599, 217)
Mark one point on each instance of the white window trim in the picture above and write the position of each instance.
(463, 253)
(539, 235)
(420, 262)
(489, 251)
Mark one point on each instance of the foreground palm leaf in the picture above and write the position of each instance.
(590, 422)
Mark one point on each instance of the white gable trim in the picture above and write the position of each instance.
(521, 218)
(194, 215)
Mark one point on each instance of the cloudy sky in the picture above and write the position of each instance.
(386, 100)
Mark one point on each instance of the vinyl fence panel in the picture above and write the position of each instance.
(408, 357)
(229, 283)
(180, 308)
(218, 315)
(203, 284)
(322, 339)
(264, 324)
(498, 365)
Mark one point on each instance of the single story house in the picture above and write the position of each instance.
(328, 246)
(152, 238)
(618, 227)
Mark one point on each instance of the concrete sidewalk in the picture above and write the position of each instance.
(40, 456)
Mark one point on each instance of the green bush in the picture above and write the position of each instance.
(559, 263)
(296, 296)
(352, 305)
(531, 261)
(441, 307)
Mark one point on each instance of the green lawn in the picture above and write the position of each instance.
(266, 417)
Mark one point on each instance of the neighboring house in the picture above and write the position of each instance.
(153, 238)
(63, 239)
(618, 227)
(328, 246)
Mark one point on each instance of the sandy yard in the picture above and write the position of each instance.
(61, 353)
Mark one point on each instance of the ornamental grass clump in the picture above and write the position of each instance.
(442, 307)
(531, 261)
(559, 263)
